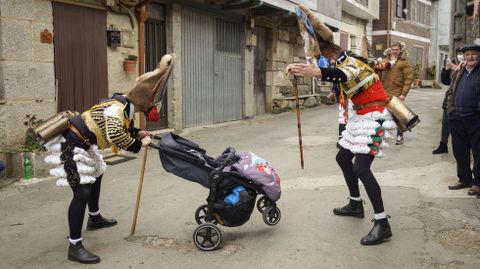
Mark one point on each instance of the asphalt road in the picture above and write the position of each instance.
(432, 226)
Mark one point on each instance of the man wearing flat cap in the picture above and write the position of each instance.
(463, 107)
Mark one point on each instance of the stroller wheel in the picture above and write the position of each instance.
(271, 215)
(207, 236)
(263, 203)
(201, 215)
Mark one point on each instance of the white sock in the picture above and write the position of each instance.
(380, 216)
(94, 213)
(74, 241)
(355, 198)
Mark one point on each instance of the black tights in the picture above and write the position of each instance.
(360, 169)
(83, 194)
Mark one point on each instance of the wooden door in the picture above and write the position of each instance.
(80, 56)
(155, 48)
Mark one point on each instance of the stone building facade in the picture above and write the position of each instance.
(27, 69)
(407, 21)
(29, 82)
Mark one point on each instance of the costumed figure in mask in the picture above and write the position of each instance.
(368, 125)
(78, 162)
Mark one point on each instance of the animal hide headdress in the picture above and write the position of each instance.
(317, 36)
(150, 87)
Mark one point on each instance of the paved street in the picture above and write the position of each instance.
(432, 226)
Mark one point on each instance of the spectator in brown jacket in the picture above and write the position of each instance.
(397, 76)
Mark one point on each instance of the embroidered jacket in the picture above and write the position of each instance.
(112, 123)
(352, 72)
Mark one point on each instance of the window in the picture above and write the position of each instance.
(417, 56)
(353, 43)
(420, 14)
(402, 9)
(344, 40)
(363, 2)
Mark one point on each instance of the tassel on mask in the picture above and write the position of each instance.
(153, 114)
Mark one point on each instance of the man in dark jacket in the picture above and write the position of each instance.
(463, 108)
(446, 76)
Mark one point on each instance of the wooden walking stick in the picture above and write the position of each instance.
(139, 192)
(297, 107)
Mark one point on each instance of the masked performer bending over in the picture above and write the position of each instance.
(367, 126)
(76, 153)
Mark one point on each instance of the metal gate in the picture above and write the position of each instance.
(212, 60)
(155, 48)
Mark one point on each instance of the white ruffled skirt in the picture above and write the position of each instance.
(369, 133)
(90, 164)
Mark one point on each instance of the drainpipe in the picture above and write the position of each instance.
(142, 16)
(389, 21)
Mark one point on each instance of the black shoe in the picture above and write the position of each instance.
(442, 148)
(380, 231)
(98, 222)
(352, 209)
(80, 254)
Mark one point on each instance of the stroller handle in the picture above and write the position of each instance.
(152, 145)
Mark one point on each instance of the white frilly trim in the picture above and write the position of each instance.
(355, 124)
(360, 128)
(54, 144)
(100, 165)
(53, 158)
(58, 172)
(356, 149)
(84, 159)
(362, 132)
(360, 139)
(389, 125)
(90, 164)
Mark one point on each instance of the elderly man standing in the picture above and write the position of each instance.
(397, 76)
(463, 107)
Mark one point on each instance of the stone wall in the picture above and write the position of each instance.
(284, 46)
(27, 81)
(27, 77)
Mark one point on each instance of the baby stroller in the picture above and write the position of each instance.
(222, 176)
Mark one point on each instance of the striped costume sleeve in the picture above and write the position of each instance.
(116, 131)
